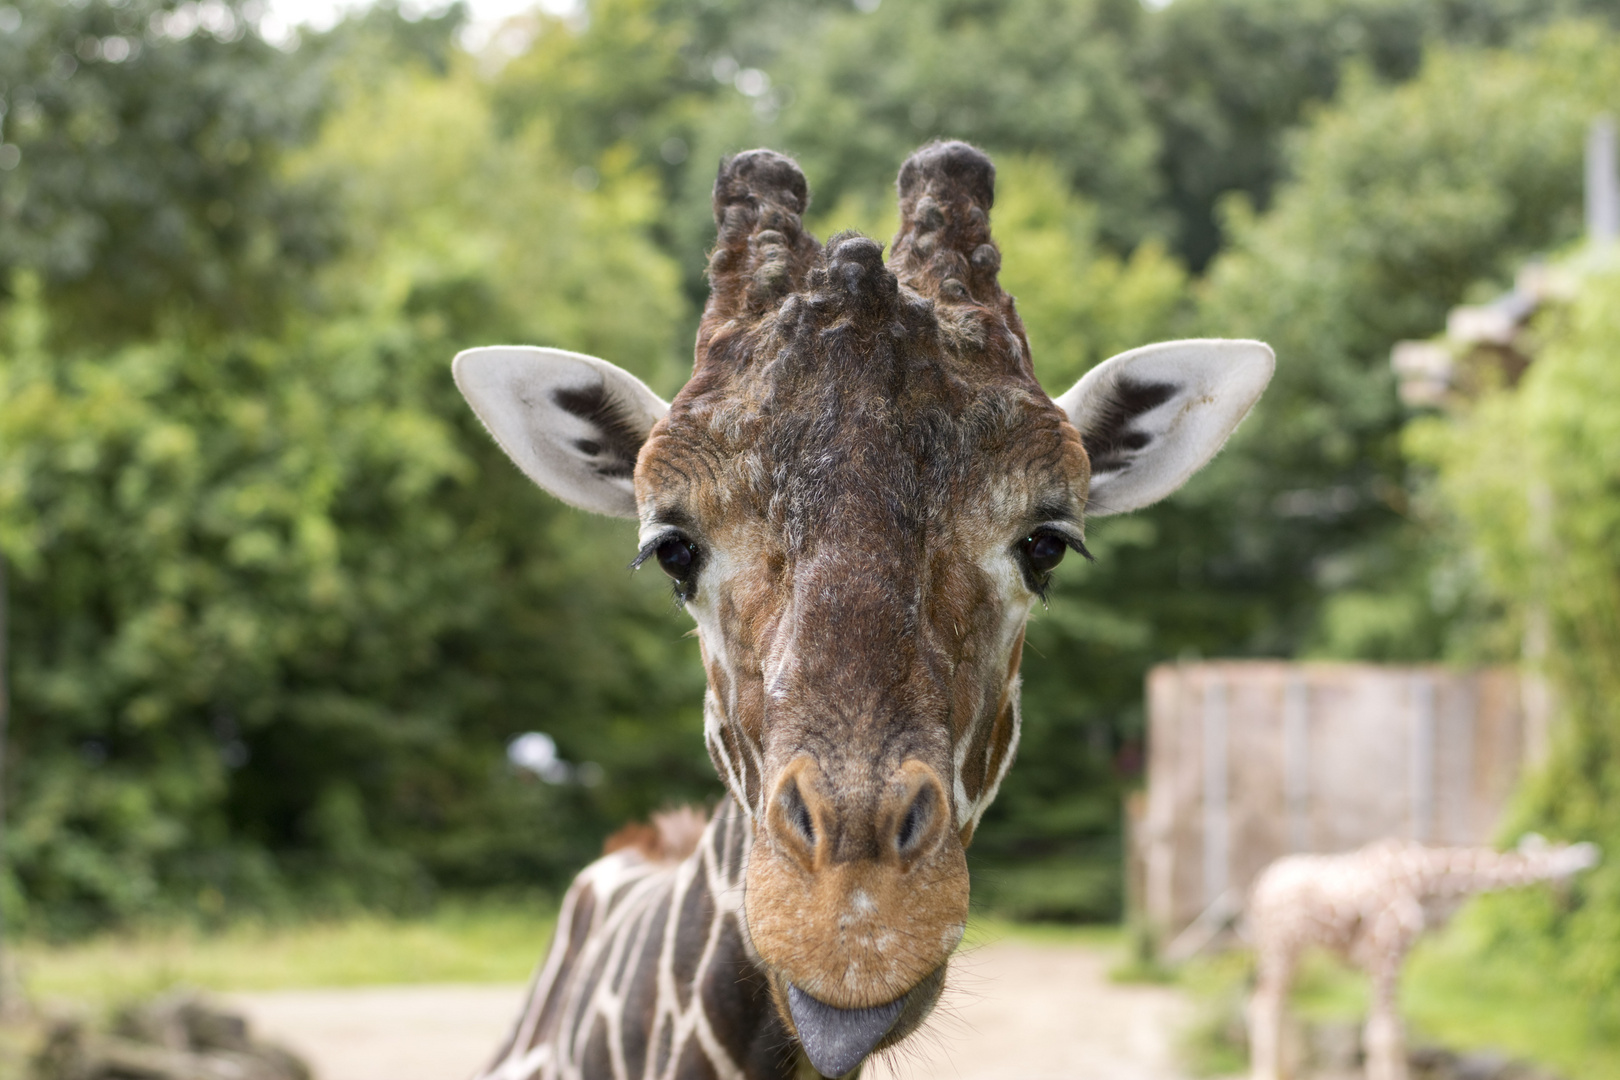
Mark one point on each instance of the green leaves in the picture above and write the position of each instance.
(1404, 199)
(146, 176)
(1528, 483)
(278, 601)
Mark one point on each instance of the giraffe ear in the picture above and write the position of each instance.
(574, 424)
(1151, 417)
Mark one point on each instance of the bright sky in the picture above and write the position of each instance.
(487, 15)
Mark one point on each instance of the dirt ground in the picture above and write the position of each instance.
(1014, 1010)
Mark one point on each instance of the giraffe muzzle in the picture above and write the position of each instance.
(854, 905)
(837, 1040)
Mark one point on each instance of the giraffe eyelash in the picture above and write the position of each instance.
(679, 557)
(1039, 581)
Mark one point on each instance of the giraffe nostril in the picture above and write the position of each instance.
(798, 815)
(914, 825)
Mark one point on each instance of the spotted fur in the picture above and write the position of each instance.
(650, 976)
(1370, 906)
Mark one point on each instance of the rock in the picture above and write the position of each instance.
(1437, 1063)
(1333, 1046)
(178, 1037)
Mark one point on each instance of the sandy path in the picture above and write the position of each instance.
(1015, 1010)
(437, 1032)
(1020, 1011)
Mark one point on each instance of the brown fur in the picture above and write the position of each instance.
(670, 836)
(858, 453)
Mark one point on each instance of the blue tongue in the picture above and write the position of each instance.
(837, 1040)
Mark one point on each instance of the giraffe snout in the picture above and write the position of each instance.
(857, 892)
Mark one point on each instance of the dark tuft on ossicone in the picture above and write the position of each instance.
(763, 175)
(762, 253)
(949, 167)
(856, 273)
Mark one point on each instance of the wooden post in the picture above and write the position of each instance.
(1297, 761)
(9, 1003)
(1420, 777)
(1217, 827)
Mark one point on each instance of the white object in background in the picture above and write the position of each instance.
(1602, 184)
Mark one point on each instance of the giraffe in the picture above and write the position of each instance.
(858, 497)
(1370, 906)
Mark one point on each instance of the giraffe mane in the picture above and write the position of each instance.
(669, 837)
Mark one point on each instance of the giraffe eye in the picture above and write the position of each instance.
(1043, 551)
(677, 558)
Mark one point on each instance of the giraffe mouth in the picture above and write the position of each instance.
(837, 1040)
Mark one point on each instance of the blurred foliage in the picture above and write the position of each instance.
(1530, 479)
(278, 603)
(1223, 77)
(492, 940)
(148, 137)
(1049, 77)
(1403, 200)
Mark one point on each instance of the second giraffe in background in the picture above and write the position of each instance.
(1370, 906)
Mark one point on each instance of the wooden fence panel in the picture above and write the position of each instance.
(1250, 760)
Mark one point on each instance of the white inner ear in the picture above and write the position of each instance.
(1151, 417)
(574, 424)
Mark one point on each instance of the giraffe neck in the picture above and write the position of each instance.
(651, 977)
(1456, 872)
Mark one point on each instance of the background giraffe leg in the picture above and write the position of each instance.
(1383, 954)
(1385, 1037)
(1265, 1014)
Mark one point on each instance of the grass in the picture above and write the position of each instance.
(459, 942)
(1510, 1005)
(1448, 997)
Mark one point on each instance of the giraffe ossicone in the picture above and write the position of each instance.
(859, 495)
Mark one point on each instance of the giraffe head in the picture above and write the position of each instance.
(859, 495)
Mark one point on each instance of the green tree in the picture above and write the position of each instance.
(1552, 556)
(279, 603)
(143, 173)
(1032, 77)
(1403, 200)
(1226, 81)
(479, 237)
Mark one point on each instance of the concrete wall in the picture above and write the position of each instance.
(1250, 760)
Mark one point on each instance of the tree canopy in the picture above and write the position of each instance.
(278, 604)
(1539, 538)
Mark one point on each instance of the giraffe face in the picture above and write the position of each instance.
(859, 495)
(858, 513)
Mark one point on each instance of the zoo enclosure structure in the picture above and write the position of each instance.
(1252, 760)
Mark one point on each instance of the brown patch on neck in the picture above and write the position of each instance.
(671, 836)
